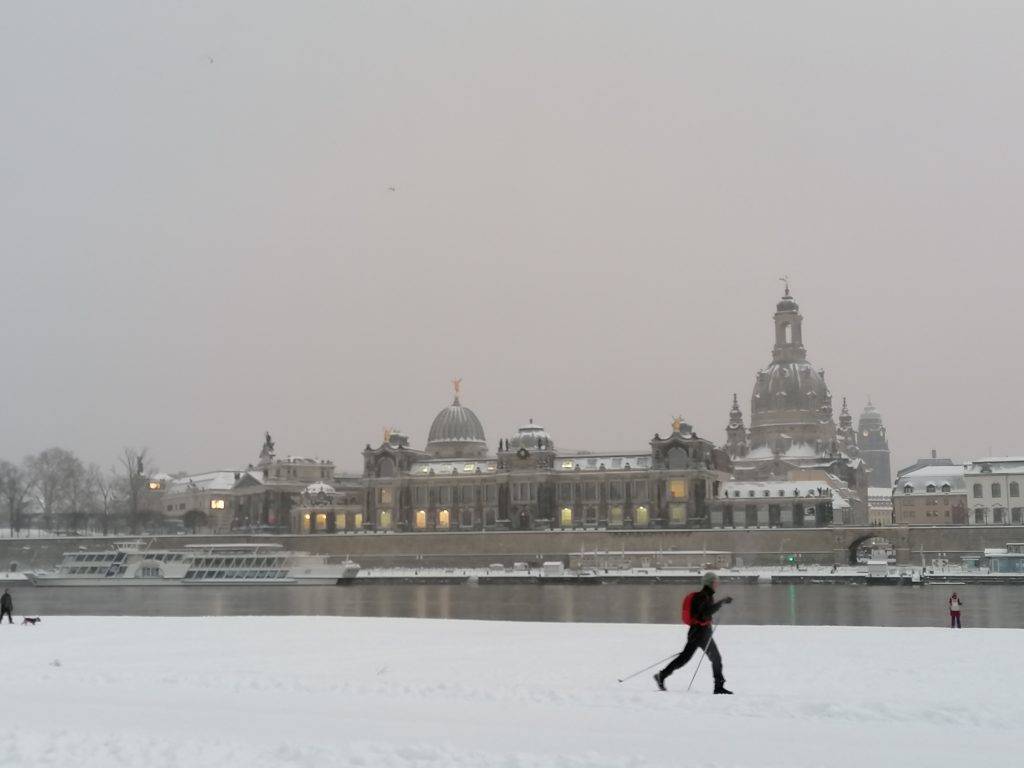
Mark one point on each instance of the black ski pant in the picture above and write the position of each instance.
(6, 612)
(698, 637)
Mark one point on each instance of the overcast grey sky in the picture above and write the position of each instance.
(593, 203)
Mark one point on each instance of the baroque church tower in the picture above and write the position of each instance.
(791, 406)
(846, 437)
(736, 444)
(874, 447)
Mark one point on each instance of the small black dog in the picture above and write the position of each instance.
(31, 620)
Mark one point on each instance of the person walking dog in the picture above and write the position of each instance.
(698, 608)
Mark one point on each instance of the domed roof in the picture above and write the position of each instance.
(787, 303)
(316, 488)
(789, 386)
(532, 436)
(456, 431)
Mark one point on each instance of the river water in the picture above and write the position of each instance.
(997, 605)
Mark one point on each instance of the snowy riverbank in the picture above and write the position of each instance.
(309, 692)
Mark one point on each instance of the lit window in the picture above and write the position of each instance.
(442, 518)
(567, 464)
(566, 517)
(154, 486)
(421, 519)
(469, 467)
(677, 489)
(216, 503)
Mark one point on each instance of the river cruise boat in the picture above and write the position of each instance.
(134, 564)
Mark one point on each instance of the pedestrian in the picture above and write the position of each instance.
(702, 607)
(6, 607)
(954, 611)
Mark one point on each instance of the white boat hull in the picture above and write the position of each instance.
(223, 565)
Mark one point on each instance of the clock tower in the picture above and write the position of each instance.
(874, 447)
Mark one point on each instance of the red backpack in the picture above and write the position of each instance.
(687, 606)
(688, 618)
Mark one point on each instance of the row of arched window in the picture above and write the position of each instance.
(997, 490)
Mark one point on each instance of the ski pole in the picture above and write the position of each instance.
(641, 671)
(703, 653)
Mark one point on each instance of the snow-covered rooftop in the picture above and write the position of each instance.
(998, 465)
(221, 480)
(774, 488)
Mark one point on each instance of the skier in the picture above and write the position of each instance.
(702, 608)
(6, 607)
(954, 611)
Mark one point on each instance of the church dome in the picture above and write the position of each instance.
(456, 432)
(789, 386)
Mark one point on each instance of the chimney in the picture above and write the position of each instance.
(933, 453)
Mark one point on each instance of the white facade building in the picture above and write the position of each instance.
(994, 490)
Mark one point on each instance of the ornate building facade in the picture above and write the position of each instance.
(454, 483)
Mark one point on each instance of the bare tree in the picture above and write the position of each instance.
(133, 480)
(102, 485)
(15, 487)
(51, 471)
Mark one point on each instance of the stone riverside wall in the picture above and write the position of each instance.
(467, 549)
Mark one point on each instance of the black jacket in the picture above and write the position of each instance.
(703, 607)
(6, 603)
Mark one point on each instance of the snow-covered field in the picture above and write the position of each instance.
(312, 692)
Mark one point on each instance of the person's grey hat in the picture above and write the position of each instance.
(709, 578)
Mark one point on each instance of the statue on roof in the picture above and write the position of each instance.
(677, 423)
(267, 452)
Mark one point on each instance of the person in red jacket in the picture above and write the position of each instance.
(954, 611)
(702, 608)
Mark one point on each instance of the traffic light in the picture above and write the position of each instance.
(790, 558)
